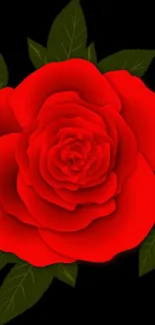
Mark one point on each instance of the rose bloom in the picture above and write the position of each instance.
(77, 164)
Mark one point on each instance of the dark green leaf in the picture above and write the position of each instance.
(147, 254)
(67, 273)
(9, 258)
(91, 53)
(3, 261)
(3, 73)
(68, 34)
(37, 53)
(22, 288)
(134, 61)
(2, 264)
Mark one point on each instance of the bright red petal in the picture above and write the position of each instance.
(52, 112)
(54, 217)
(126, 153)
(25, 242)
(43, 189)
(123, 230)
(9, 197)
(8, 122)
(70, 75)
(138, 110)
(98, 194)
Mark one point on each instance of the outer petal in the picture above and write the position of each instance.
(15, 236)
(8, 122)
(127, 146)
(74, 74)
(25, 242)
(138, 110)
(57, 218)
(9, 198)
(123, 230)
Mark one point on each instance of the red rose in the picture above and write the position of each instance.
(77, 159)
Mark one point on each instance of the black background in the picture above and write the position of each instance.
(113, 27)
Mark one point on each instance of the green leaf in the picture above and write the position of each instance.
(9, 258)
(2, 264)
(147, 254)
(91, 53)
(68, 34)
(3, 261)
(3, 73)
(37, 53)
(134, 61)
(67, 273)
(22, 288)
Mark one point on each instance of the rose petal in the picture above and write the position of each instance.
(53, 217)
(127, 226)
(21, 152)
(64, 127)
(8, 122)
(59, 180)
(138, 110)
(25, 242)
(100, 165)
(98, 194)
(112, 132)
(95, 165)
(9, 198)
(68, 111)
(74, 74)
(43, 189)
(126, 148)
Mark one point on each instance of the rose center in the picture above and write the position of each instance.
(75, 160)
(74, 156)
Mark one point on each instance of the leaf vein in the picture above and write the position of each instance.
(11, 300)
